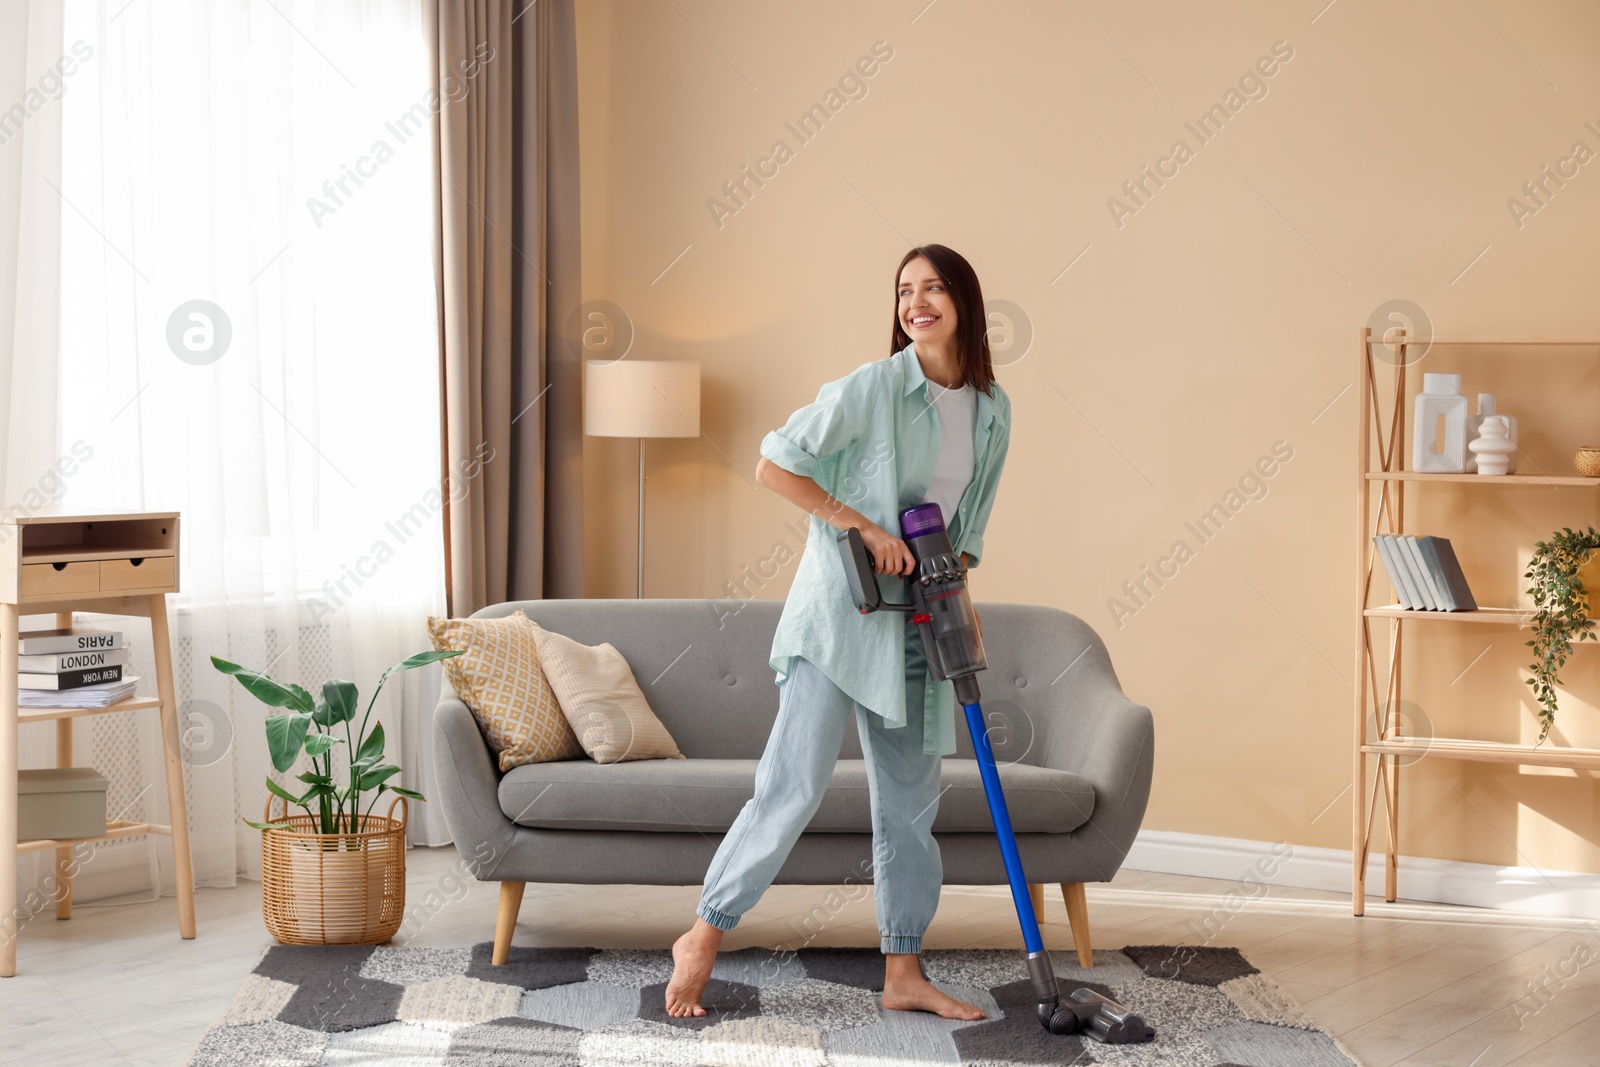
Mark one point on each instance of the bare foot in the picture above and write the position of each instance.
(693, 956)
(905, 989)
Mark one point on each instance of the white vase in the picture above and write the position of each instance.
(1486, 407)
(1492, 446)
(1439, 434)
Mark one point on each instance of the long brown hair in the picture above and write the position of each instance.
(972, 322)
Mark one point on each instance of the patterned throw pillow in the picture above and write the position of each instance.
(501, 682)
(598, 694)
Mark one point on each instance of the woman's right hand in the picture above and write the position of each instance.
(889, 554)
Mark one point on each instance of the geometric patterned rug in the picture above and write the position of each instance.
(365, 1006)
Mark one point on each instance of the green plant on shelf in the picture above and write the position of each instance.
(309, 725)
(1561, 609)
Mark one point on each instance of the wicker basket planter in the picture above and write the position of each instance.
(331, 876)
(333, 889)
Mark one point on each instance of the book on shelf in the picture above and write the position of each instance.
(1430, 589)
(69, 679)
(1391, 565)
(88, 696)
(1424, 572)
(1439, 554)
(1400, 575)
(56, 662)
(1419, 588)
(47, 642)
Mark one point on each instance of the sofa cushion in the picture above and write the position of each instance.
(706, 795)
(500, 681)
(596, 690)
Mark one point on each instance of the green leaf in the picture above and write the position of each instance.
(266, 825)
(265, 689)
(371, 750)
(314, 778)
(341, 698)
(378, 775)
(421, 659)
(277, 790)
(317, 744)
(413, 794)
(1561, 609)
(286, 735)
(418, 660)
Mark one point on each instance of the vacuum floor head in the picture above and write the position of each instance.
(1105, 1020)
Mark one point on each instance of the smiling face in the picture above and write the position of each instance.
(927, 313)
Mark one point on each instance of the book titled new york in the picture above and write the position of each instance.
(56, 662)
(47, 642)
(1441, 559)
(71, 679)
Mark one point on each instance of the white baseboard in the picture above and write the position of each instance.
(1479, 885)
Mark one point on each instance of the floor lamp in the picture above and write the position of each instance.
(641, 398)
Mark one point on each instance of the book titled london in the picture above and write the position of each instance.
(71, 679)
(56, 662)
(46, 642)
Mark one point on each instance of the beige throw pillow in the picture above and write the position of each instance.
(501, 682)
(601, 700)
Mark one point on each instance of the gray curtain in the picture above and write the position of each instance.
(506, 258)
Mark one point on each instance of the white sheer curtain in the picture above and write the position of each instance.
(31, 89)
(248, 337)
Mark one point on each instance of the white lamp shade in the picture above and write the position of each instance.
(642, 398)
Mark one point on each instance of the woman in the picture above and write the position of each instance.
(929, 423)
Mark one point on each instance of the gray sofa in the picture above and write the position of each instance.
(1075, 759)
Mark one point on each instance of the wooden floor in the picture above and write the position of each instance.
(1408, 984)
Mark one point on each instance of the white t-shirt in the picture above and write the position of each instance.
(952, 467)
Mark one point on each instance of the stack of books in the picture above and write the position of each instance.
(1424, 573)
(72, 669)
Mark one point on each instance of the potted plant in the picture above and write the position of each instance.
(1561, 609)
(337, 874)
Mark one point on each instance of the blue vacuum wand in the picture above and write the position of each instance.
(942, 611)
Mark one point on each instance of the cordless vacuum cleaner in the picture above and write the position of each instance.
(942, 611)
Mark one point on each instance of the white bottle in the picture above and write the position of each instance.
(1439, 434)
(1474, 422)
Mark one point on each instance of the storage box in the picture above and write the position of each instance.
(60, 803)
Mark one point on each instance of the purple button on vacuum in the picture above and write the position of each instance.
(920, 519)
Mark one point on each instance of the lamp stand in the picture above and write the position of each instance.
(639, 569)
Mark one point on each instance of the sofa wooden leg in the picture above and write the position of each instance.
(1078, 917)
(1036, 894)
(506, 923)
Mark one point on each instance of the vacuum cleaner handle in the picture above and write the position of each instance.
(858, 573)
(864, 591)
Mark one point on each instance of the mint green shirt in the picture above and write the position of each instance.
(870, 439)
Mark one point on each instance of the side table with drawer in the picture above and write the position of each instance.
(109, 562)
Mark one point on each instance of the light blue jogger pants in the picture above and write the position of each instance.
(791, 776)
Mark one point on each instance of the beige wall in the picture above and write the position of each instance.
(1218, 319)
